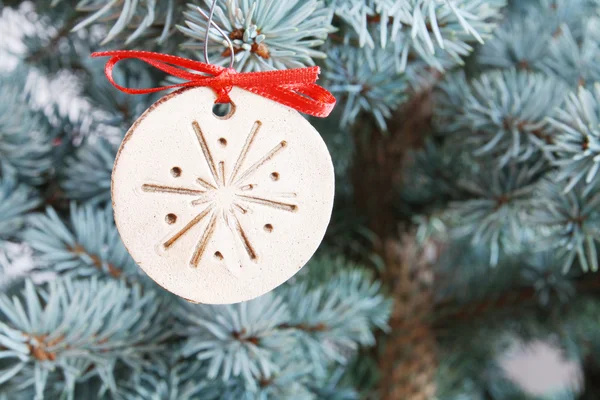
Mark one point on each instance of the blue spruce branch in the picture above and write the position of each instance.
(492, 217)
(363, 81)
(53, 338)
(500, 115)
(129, 21)
(569, 222)
(25, 138)
(266, 35)
(281, 344)
(430, 29)
(88, 244)
(576, 138)
(237, 341)
(86, 174)
(16, 200)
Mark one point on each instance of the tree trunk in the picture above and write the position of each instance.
(408, 360)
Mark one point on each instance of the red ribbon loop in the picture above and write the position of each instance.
(295, 88)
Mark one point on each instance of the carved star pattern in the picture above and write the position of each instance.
(225, 196)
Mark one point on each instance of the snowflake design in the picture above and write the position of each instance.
(225, 196)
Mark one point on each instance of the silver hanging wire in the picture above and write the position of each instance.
(209, 19)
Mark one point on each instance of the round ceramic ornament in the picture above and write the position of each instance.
(221, 209)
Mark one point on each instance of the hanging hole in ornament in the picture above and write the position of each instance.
(171, 219)
(268, 228)
(275, 176)
(176, 172)
(223, 142)
(223, 110)
(218, 255)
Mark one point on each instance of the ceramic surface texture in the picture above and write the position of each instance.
(222, 209)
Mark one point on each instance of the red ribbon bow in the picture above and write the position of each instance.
(295, 88)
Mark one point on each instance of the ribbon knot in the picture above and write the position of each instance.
(295, 88)
(222, 85)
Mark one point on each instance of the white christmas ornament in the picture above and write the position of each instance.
(221, 209)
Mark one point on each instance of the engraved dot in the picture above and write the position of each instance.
(176, 172)
(171, 219)
(275, 176)
(223, 142)
(218, 255)
(268, 228)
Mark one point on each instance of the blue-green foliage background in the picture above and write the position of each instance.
(504, 182)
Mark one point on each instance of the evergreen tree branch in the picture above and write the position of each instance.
(88, 245)
(50, 47)
(508, 302)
